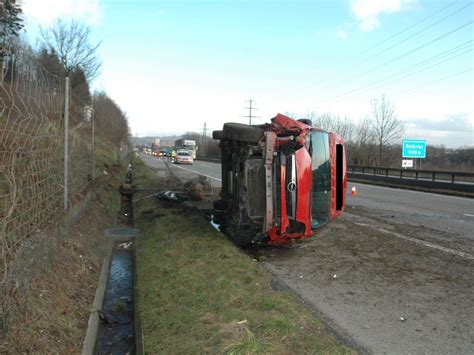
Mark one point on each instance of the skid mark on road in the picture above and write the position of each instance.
(419, 241)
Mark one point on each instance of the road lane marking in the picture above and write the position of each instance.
(468, 215)
(421, 242)
(195, 172)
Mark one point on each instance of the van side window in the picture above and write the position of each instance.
(321, 187)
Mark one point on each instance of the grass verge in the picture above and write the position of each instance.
(199, 293)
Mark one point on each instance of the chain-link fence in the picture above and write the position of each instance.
(33, 172)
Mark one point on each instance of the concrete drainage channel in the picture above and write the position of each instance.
(114, 327)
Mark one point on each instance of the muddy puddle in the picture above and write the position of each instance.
(116, 329)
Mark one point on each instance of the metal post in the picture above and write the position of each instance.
(93, 145)
(250, 113)
(66, 142)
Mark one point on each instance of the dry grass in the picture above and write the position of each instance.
(56, 313)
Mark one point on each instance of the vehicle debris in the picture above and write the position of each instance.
(169, 195)
(124, 245)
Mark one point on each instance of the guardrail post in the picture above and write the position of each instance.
(452, 178)
(433, 177)
(401, 174)
(386, 172)
(363, 170)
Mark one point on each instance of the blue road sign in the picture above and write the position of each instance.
(414, 148)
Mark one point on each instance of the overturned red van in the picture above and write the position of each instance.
(280, 181)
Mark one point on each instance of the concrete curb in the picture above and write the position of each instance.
(137, 323)
(113, 236)
(93, 324)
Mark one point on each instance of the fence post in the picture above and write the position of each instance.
(66, 142)
(93, 145)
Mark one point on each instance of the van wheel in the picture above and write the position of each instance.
(241, 238)
(217, 135)
(242, 132)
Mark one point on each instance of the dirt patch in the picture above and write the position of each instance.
(373, 284)
(58, 304)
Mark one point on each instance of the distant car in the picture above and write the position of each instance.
(183, 157)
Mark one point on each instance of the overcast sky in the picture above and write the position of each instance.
(173, 65)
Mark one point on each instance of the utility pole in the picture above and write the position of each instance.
(250, 108)
(204, 130)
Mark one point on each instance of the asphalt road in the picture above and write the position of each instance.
(394, 275)
(450, 214)
(210, 170)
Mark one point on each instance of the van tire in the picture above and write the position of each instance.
(243, 133)
(217, 135)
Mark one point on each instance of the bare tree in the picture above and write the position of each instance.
(333, 123)
(387, 128)
(73, 45)
(361, 147)
(111, 121)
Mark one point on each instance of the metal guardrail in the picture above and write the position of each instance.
(426, 175)
(450, 182)
(209, 159)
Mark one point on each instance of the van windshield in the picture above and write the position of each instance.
(321, 189)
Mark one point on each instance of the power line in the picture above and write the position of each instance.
(439, 80)
(411, 51)
(371, 86)
(410, 27)
(422, 30)
(324, 83)
(379, 83)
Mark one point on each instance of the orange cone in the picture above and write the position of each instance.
(354, 191)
